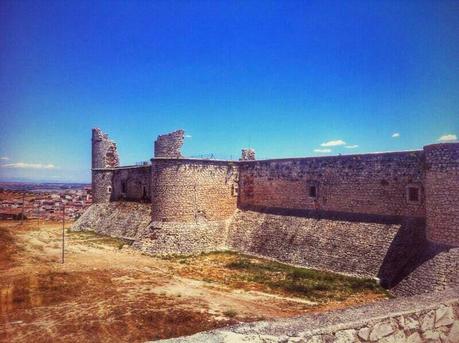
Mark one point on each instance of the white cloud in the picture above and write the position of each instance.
(395, 135)
(322, 150)
(351, 146)
(4, 158)
(447, 138)
(21, 165)
(334, 143)
(187, 136)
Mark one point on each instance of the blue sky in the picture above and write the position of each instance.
(284, 77)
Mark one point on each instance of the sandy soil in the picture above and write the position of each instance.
(106, 293)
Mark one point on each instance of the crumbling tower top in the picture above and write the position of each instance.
(169, 145)
(104, 151)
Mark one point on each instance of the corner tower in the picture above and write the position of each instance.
(104, 159)
(442, 193)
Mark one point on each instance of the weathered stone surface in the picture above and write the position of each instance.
(427, 321)
(453, 336)
(442, 193)
(189, 190)
(444, 316)
(364, 333)
(308, 241)
(410, 323)
(381, 330)
(117, 219)
(165, 238)
(169, 145)
(314, 339)
(431, 335)
(414, 338)
(345, 336)
(104, 151)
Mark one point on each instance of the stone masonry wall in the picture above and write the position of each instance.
(102, 185)
(432, 317)
(186, 190)
(435, 267)
(363, 249)
(104, 151)
(116, 219)
(169, 145)
(132, 183)
(442, 193)
(368, 184)
(166, 238)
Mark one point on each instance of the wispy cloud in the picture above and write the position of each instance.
(395, 135)
(188, 136)
(21, 165)
(447, 138)
(351, 146)
(322, 150)
(4, 158)
(334, 143)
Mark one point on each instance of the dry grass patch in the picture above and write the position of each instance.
(257, 274)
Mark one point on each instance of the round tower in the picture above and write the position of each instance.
(442, 193)
(185, 190)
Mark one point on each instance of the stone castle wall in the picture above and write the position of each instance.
(367, 215)
(367, 184)
(102, 185)
(442, 193)
(187, 190)
(117, 219)
(365, 249)
(132, 184)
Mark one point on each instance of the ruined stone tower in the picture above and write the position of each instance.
(104, 160)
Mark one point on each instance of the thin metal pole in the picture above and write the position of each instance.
(63, 231)
(38, 210)
(22, 214)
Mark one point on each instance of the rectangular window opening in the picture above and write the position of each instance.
(313, 191)
(413, 194)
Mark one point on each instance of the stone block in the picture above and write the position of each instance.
(364, 333)
(345, 336)
(444, 316)
(381, 330)
(414, 338)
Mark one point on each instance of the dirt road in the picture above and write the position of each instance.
(108, 292)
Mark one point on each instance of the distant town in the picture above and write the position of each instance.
(43, 201)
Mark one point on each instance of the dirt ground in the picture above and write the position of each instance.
(107, 292)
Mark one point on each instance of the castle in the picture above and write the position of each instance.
(392, 216)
